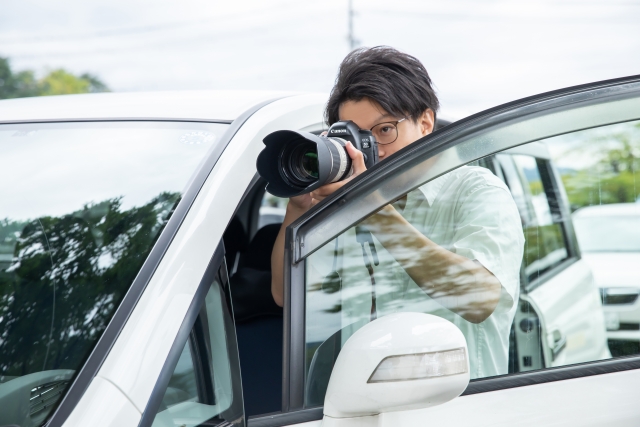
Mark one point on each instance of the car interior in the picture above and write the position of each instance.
(248, 242)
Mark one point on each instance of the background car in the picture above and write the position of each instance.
(609, 237)
(135, 286)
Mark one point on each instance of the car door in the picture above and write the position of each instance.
(339, 278)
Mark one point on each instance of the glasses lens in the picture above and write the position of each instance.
(385, 133)
(310, 163)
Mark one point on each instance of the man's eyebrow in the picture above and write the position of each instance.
(384, 116)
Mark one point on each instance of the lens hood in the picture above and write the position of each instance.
(272, 167)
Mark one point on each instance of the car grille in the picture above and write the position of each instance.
(44, 396)
(611, 298)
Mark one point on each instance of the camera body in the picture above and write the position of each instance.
(296, 162)
(363, 140)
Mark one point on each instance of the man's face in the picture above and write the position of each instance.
(367, 113)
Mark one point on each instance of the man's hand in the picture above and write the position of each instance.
(300, 203)
(325, 191)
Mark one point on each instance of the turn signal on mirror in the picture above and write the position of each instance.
(408, 367)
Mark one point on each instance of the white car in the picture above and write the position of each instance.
(609, 237)
(135, 282)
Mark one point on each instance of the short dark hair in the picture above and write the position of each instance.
(395, 80)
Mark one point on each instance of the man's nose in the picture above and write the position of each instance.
(381, 151)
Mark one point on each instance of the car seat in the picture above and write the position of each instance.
(258, 325)
(235, 242)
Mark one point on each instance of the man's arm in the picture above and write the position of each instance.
(298, 206)
(456, 282)
(459, 284)
(295, 208)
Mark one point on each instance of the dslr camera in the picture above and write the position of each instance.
(296, 162)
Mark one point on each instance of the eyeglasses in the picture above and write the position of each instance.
(387, 132)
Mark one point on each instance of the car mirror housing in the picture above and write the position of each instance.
(398, 362)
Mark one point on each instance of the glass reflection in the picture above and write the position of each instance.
(82, 207)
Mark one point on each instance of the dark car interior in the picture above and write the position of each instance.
(258, 319)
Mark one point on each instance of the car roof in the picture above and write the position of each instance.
(613, 209)
(196, 105)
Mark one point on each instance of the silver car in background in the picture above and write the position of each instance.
(609, 237)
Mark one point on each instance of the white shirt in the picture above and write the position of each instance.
(470, 212)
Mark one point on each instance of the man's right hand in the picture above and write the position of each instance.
(300, 203)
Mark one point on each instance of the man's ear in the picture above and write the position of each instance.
(427, 122)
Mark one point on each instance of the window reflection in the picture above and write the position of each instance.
(574, 300)
(82, 206)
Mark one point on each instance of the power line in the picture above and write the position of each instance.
(105, 33)
(353, 42)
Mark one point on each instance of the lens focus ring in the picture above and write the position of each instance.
(341, 161)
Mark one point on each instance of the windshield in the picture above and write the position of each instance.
(608, 234)
(81, 206)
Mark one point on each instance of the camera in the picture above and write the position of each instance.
(296, 162)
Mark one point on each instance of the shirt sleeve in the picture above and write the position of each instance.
(489, 230)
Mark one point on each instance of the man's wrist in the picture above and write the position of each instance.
(294, 209)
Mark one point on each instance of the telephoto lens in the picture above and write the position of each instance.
(296, 162)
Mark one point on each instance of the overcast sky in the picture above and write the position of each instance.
(479, 53)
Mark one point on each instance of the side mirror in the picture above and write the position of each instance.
(399, 362)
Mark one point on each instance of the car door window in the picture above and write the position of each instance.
(204, 388)
(512, 228)
(600, 169)
(545, 242)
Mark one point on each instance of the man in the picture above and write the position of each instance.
(458, 239)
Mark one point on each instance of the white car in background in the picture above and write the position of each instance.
(135, 272)
(609, 237)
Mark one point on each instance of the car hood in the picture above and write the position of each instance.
(614, 269)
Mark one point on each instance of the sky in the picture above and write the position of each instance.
(479, 53)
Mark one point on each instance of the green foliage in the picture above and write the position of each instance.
(66, 276)
(586, 188)
(56, 82)
(614, 176)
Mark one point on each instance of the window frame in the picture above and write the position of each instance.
(216, 270)
(553, 192)
(564, 100)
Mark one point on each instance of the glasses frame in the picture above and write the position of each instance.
(394, 123)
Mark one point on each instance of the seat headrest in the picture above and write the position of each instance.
(258, 254)
(235, 237)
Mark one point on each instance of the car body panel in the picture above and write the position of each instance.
(139, 354)
(198, 105)
(570, 309)
(103, 405)
(615, 269)
(590, 401)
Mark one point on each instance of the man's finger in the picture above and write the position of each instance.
(357, 158)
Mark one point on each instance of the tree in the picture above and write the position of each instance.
(56, 82)
(613, 176)
(67, 276)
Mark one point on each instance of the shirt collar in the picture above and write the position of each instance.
(431, 189)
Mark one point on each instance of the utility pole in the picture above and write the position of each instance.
(353, 43)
